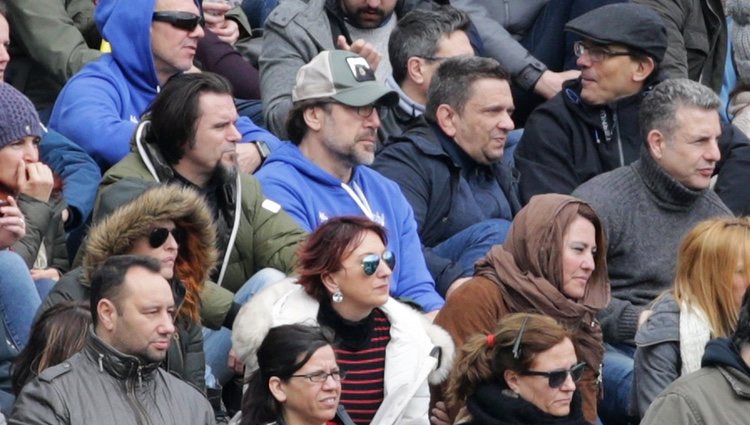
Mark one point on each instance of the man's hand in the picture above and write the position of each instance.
(35, 180)
(49, 273)
(248, 157)
(439, 414)
(12, 223)
(234, 363)
(550, 83)
(362, 48)
(227, 30)
(455, 285)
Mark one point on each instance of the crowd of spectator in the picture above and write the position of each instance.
(308, 212)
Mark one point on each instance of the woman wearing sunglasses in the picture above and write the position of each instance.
(298, 381)
(553, 262)
(713, 273)
(524, 372)
(384, 346)
(171, 224)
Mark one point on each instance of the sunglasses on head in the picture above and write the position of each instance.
(371, 262)
(183, 20)
(159, 235)
(558, 377)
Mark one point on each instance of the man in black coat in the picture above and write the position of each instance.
(591, 127)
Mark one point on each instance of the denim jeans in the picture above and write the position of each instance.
(19, 297)
(614, 409)
(473, 243)
(217, 343)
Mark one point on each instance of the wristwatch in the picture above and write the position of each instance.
(263, 150)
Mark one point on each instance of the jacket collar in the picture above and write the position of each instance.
(120, 365)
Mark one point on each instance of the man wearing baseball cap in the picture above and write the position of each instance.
(591, 127)
(322, 174)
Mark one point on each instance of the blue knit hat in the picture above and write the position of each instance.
(18, 118)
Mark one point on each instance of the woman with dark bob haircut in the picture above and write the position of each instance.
(297, 381)
(524, 372)
(389, 350)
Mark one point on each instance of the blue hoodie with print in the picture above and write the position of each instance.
(100, 106)
(311, 195)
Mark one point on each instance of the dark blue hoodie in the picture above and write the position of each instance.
(311, 195)
(100, 106)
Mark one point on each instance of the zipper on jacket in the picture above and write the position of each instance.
(142, 416)
(506, 3)
(616, 129)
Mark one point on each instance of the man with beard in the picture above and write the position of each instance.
(297, 30)
(322, 174)
(116, 378)
(449, 167)
(189, 138)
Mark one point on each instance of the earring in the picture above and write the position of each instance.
(337, 296)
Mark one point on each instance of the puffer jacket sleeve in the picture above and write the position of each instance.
(38, 216)
(215, 304)
(654, 368)
(276, 234)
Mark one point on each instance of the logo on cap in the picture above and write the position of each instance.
(360, 69)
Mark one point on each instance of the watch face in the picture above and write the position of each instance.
(263, 149)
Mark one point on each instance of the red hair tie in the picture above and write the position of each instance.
(491, 340)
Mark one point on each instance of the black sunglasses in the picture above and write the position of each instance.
(371, 262)
(558, 377)
(183, 20)
(159, 235)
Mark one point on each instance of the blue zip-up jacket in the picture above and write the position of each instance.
(100, 106)
(311, 196)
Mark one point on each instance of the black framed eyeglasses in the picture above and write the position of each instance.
(159, 235)
(558, 377)
(371, 262)
(183, 20)
(596, 53)
(366, 111)
(319, 377)
(433, 58)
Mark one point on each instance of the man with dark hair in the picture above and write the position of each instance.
(152, 41)
(189, 138)
(592, 127)
(646, 208)
(449, 167)
(718, 393)
(323, 174)
(418, 44)
(297, 30)
(116, 378)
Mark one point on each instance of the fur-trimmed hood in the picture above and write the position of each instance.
(127, 212)
(286, 302)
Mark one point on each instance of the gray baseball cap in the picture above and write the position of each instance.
(342, 76)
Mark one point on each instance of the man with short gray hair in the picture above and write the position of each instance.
(418, 44)
(448, 167)
(647, 208)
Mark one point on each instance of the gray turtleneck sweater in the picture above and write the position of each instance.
(645, 213)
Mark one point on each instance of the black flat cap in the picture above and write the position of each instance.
(635, 26)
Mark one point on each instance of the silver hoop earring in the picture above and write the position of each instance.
(337, 296)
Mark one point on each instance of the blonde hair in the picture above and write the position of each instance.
(706, 264)
(485, 358)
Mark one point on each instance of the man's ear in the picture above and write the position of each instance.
(445, 116)
(313, 117)
(643, 69)
(414, 69)
(277, 389)
(107, 314)
(656, 141)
